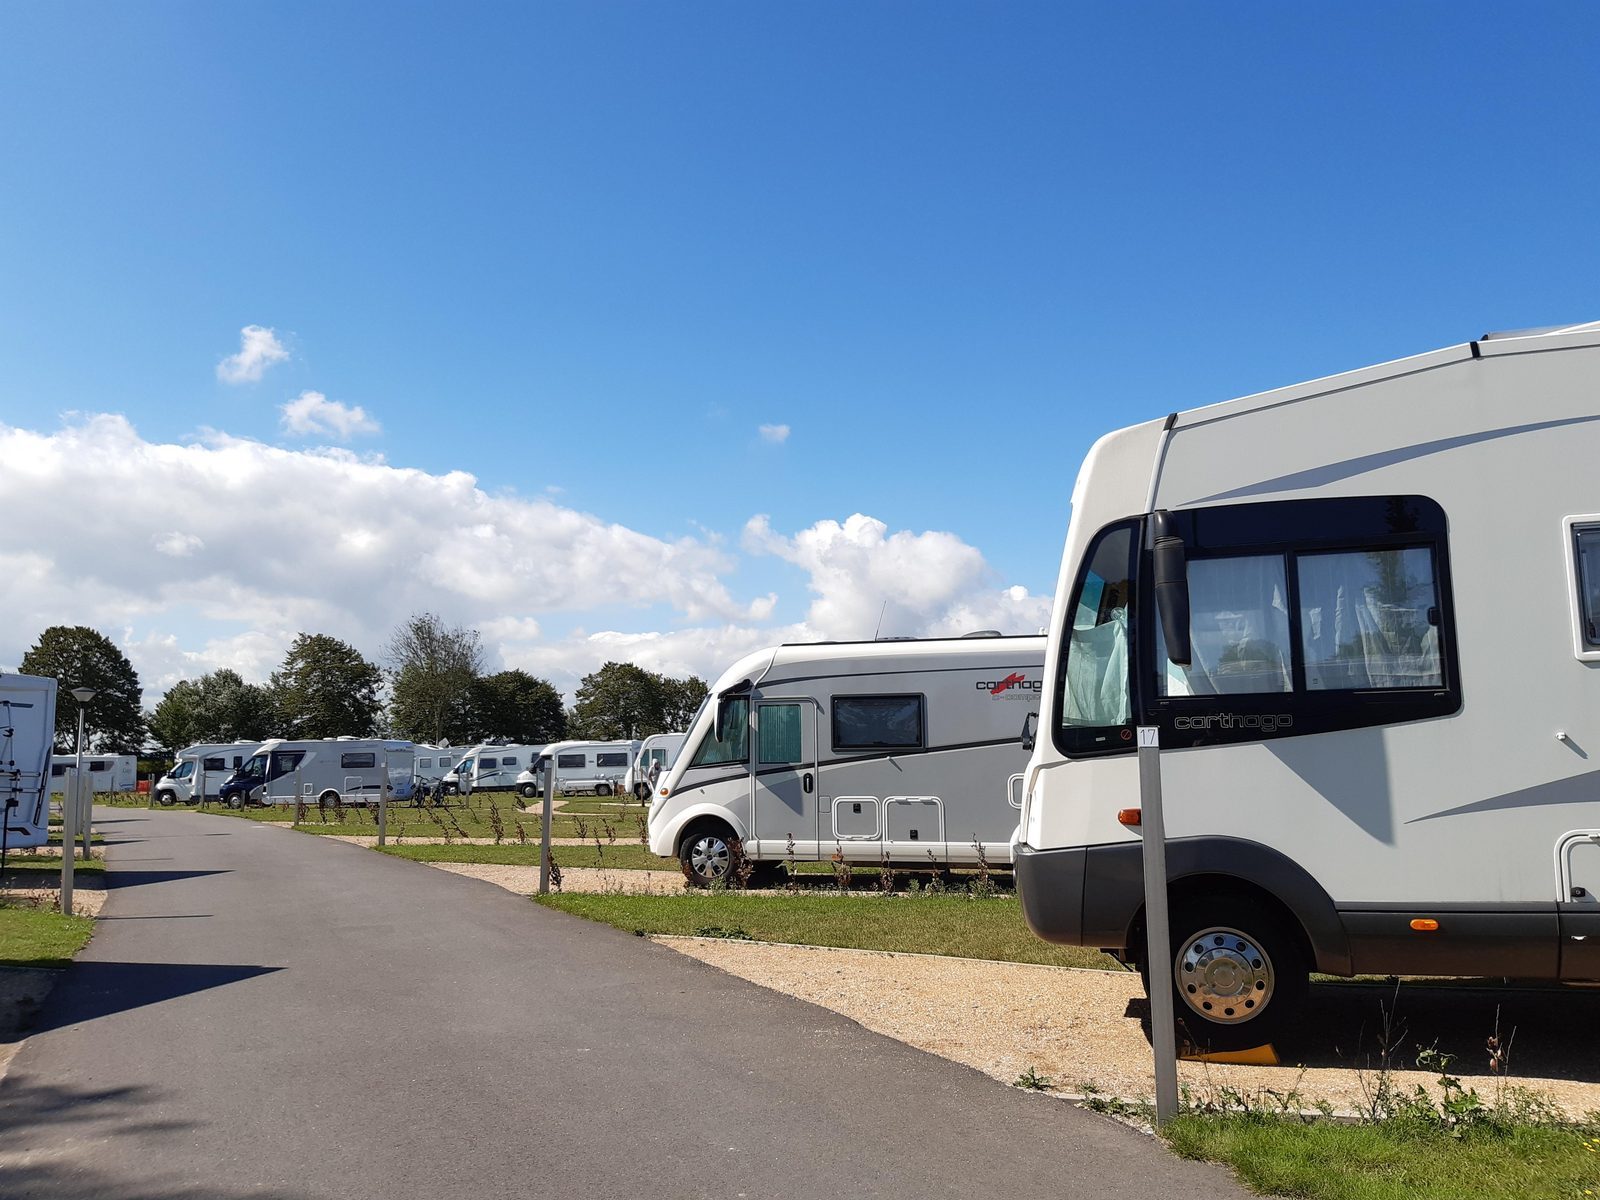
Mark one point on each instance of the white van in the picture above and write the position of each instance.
(346, 770)
(200, 771)
(107, 772)
(433, 763)
(1364, 615)
(660, 751)
(898, 750)
(27, 730)
(489, 766)
(581, 768)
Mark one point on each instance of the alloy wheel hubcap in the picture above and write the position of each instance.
(709, 857)
(1224, 976)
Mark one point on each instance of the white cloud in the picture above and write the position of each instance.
(259, 348)
(774, 434)
(177, 545)
(312, 413)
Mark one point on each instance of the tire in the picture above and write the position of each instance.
(237, 800)
(451, 789)
(166, 798)
(1238, 973)
(602, 789)
(706, 853)
(641, 793)
(329, 798)
(529, 791)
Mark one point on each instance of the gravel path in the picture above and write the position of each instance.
(371, 839)
(524, 881)
(88, 892)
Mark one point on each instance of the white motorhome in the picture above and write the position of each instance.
(200, 771)
(897, 750)
(433, 763)
(27, 729)
(1364, 615)
(658, 751)
(107, 772)
(349, 770)
(489, 766)
(594, 768)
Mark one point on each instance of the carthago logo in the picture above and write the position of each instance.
(1014, 682)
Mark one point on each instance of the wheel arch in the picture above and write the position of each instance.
(678, 828)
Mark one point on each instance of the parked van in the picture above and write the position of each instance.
(434, 762)
(107, 772)
(349, 770)
(582, 768)
(659, 750)
(887, 750)
(27, 730)
(1364, 615)
(200, 771)
(489, 766)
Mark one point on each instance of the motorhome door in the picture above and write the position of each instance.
(786, 783)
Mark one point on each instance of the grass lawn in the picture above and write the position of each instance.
(36, 937)
(50, 864)
(623, 856)
(988, 929)
(1392, 1160)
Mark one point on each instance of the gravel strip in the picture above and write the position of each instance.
(371, 839)
(87, 898)
(525, 880)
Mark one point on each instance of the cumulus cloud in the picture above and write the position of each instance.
(313, 413)
(177, 545)
(259, 349)
(774, 434)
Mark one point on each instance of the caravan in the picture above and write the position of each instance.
(200, 772)
(433, 763)
(27, 729)
(106, 772)
(337, 770)
(658, 752)
(489, 766)
(1363, 614)
(590, 768)
(898, 751)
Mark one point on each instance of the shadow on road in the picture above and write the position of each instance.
(32, 1109)
(118, 878)
(97, 989)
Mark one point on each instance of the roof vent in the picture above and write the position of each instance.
(983, 633)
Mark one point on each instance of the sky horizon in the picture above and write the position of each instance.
(660, 334)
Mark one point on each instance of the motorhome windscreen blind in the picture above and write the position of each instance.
(1588, 550)
(778, 733)
(570, 762)
(355, 762)
(1239, 629)
(1095, 693)
(877, 722)
(611, 759)
(735, 744)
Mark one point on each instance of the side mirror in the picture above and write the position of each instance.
(719, 726)
(1030, 730)
(1171, 564)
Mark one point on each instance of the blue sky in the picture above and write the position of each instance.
(583, 251)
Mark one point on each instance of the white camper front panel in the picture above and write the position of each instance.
(27, 728)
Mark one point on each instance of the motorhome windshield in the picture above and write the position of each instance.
(256, 765)
(735, 744)
(1092, 687)
(183, 770)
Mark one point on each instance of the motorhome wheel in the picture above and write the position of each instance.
(236, 799)
(602, 789)
(328, 798)
(166, 798)
(529, 790)
(706, 855)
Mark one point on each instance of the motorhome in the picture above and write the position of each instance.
(1363, 616)
(27, 729)
(433, 763)
(107, 772)
(200, 771)
(658, 751)
(589, 768)
(489, 766)
(343, 770)
(898, 750)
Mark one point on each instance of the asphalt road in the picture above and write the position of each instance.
(267, 1014)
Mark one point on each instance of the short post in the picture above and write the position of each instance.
(383, 798)
(86, 816)
(1158, 948)
(69, 831)
(544, 832)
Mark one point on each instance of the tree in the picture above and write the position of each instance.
(173, 722)
(325, 689)
(77, 656)
(219, 707)
(433, 668)
(621, 700)
(515, 705)
(680, 700)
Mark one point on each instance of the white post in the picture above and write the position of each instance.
(86, 815)
(69, 818)
(383, 795)
(67, 843)
(544, 834)
(1158, 947)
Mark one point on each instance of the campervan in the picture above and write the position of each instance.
(658, 751)
(27, 728)
(588, 768)
(106, 772)
(489, 766)
(1362, 615)
(343, 770)
(200, 771)
(433, 763)
(897, 750)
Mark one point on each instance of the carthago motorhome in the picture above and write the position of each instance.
(27, 729)
(106, 772)
(657, 752)
(1364, 615)
(596, 768)
(200, 771)
(489, 766)
(897, 750)
(349, 770)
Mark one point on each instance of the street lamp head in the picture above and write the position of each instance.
(83, 695)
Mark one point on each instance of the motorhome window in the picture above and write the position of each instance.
(1239, 630)
(57, 770)
(488, 764)
(256, 765)
(356, 762)
(611, 759)
(424, 764)
(99, 766)
(877, 722)
(735, 746)
(571, 762)
(510, 760)
(183, 769)
(216, 764)
(1367, 619)
(1587, 548)
(657, 756)
(444, 760)
(778, 733)
(1092, 687)
(284, 762)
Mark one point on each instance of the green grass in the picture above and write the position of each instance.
(1391, 1160)
(623, 856)
(37, 937)
(954, 925)
(604, 804)
(50, 864)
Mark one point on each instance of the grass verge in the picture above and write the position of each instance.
(966, 928)
(37, 937)
(622, 857)
(50, 864)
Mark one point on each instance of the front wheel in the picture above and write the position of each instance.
(236, 799)
(528, 791)
(603, 789)
(1238, 973)
(706, 854)
(166, 799)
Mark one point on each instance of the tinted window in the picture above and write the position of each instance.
(877, 722)
(354, 762)
(57, 770)
(445, 759)
(509, 760)
(424, 764)
(183, 769)
(215, 764)
(99, 766)
(735, 744)
(1588, 551)
(778, 733)
(569, 762)
(488, 764)
(608, 759)
(284, 762)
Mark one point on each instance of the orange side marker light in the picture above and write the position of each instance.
(1131, 817)
(1424, 924)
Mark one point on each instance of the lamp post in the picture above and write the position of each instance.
(69, 805)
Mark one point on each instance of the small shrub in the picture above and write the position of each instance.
(1031, 1081)
(843, 876)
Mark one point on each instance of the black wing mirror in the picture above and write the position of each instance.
(1030, 730)
(1172, 586)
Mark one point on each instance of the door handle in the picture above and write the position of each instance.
(805, 782)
